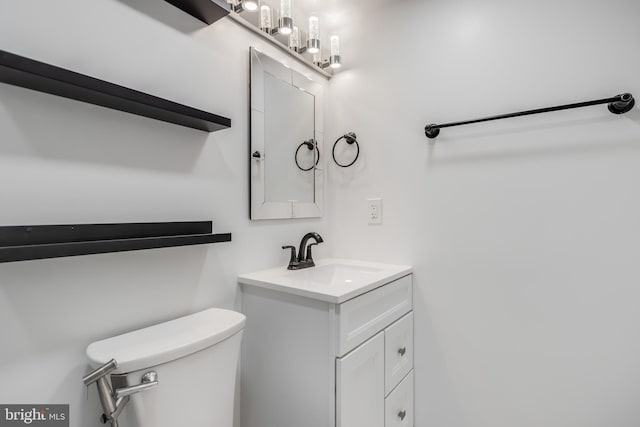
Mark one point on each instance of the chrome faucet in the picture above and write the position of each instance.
(114, 401)
(304, 258)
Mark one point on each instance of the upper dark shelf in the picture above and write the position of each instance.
(208, 11)
(20, 71)
(20, 243)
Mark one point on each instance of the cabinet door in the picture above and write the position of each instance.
(360, 385)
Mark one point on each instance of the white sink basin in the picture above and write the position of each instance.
(332, 280)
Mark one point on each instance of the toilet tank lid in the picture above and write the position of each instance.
(166, 341)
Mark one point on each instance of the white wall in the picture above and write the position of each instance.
(63, 161)
(523, 233)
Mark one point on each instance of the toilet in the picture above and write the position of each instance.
(193, 359)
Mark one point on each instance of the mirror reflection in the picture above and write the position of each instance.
(286, 136)
(283, 179)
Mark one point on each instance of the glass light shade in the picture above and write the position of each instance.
(285, 9)
(334, 59)
(335, 45)
(265, 18)
(294, 39)
(250, 5)
(313, 44)
(314, 30)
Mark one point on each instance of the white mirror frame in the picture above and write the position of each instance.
(260, 208)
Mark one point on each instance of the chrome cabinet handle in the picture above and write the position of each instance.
(402, 414)
(402, 350)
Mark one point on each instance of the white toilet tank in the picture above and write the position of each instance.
(195, 357)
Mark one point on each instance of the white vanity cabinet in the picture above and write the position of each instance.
(317, 362)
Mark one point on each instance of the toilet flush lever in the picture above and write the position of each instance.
(149, 380)
(100, 372)
(114, 401)
(110, 405)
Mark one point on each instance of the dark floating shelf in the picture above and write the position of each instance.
(208, 11)
(20, 71)
(20, 243)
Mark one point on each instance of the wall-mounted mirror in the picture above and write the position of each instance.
(286, 153)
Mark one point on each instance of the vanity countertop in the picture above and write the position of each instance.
(332, 280)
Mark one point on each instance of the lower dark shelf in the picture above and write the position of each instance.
(20, 243)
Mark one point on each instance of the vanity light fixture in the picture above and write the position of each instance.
(273, 23)
(313, 43)
(285, 26)
(265, 18)
(334, 58)
(294, 39)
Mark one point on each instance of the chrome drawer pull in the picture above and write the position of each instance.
(402, 350)
(402, 414)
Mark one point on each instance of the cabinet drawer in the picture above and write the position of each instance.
(398, 406)
(363, 316)
(398, 351)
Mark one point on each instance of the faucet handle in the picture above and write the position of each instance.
(292, 260)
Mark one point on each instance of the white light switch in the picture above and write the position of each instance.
(374, 210)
